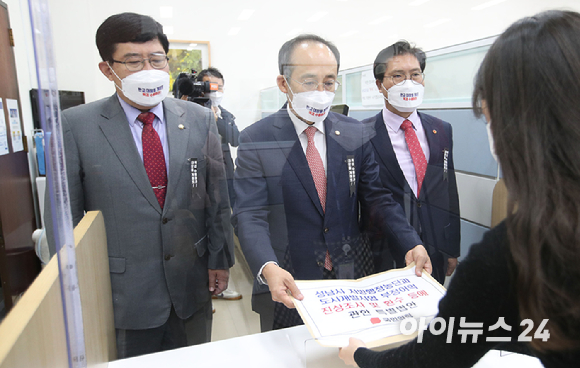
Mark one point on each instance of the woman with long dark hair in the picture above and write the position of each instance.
(527, 269)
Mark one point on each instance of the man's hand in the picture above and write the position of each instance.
(421, 258)
(347, 353)
(451, 265)
(280, 282)
(218, 280)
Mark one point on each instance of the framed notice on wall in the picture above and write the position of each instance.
(187, 55)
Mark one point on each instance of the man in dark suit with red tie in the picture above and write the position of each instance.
(415, 154)
(301, 176)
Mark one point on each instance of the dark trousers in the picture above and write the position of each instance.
(172, 334)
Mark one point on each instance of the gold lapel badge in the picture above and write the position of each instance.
(180, 126)
(337, 132)
(434, 131)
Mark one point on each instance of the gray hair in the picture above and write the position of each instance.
(285, 53)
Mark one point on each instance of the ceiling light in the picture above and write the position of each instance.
(418, 2)
(234, 31)
(293, 32)
(317, 16)
(380, 20)
(487, 4)
(437, 23)
(349, 33)
(246, 14)
(166, 11)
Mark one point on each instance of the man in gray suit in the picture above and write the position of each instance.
(154, 167)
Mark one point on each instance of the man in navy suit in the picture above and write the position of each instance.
(301, 176)
(428, 195)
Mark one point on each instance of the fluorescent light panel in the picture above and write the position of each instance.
(437, 23)
(246, 14)
(293, 32)
(166, 11)
(317, 16)
(349, 33)
(234, 31)
(380, 20)
(487, 4)
(418, 2)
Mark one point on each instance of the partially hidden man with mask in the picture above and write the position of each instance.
(414, 151)
(153, 166)
(301, 175)
(226, 123)
(229, 133)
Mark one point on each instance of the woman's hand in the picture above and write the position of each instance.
(347, 353)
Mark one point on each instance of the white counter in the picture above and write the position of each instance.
(292, 347)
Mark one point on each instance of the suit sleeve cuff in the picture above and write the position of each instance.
(259, 277)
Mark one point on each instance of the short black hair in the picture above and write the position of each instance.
(210, 72)
(285, 53)
(398, 48)
(128, 27)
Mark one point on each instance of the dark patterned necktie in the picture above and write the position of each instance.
(153, 157)
(417, 154)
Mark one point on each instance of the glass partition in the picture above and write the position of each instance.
(237, 187)
(449, 77)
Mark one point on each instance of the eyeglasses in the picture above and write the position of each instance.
(310, 85)
(397, 79)
(136, 63)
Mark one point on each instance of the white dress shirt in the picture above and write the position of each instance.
(393, 123)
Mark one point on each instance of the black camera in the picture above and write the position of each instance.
(187, 85)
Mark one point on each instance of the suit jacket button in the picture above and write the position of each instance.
(167, 257)
(320, 264)
(326, 230)
(164, 220)
(419, 204)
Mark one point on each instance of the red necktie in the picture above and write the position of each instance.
(153, 157)
(417, 153)
(319, 176)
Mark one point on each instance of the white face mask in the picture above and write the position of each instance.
(216, 98)
(312, 106)
(405, 97)
(146, 87)
(490, 140)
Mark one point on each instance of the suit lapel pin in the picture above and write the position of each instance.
(337, 132)
(434, 131)
(180, 126)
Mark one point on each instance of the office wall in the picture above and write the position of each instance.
(249, 58)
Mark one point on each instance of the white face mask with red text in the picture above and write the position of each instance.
(312, 106)
(405, 97)
(146, 87)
